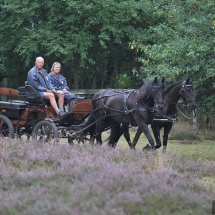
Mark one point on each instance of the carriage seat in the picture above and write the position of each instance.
(33, 97)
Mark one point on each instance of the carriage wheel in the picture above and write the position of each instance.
(6, 127)
(45, 132)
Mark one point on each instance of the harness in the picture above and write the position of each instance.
(126, 110)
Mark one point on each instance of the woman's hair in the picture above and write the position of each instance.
(55, 63)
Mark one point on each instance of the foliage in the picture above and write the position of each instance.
(46, 179)
(122, 81)
(83, 34)
(185, 137)
(101, 42)
(182, 46)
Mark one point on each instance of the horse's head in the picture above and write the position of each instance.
(158, 93)
(187, 94)
(152, 92)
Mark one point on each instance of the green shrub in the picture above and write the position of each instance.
(122, 81)
(185, 137)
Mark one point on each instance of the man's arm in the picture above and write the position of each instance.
(33, 80)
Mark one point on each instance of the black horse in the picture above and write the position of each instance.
(181, 89)
(128, 108)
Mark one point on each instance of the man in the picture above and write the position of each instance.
(38, 79)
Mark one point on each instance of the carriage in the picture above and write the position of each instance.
(24, 113)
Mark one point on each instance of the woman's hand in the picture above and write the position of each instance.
(55, 92)
(49, 91)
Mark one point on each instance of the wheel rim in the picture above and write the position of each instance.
(45, 134)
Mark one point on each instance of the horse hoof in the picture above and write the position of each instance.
(147, 148)
(132, 147)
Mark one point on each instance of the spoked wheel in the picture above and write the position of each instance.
(45, 132)
(6, 127)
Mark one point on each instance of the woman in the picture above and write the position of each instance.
(59, 82)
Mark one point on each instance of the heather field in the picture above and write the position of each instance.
(82, 179)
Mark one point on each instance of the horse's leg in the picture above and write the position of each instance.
(101, 125)
(156, 132)
(92, 136)
(136, 138)
(127, 135)
(145, 130)
(98, 133)
(98, 129)
(167, 129)
(116, 132)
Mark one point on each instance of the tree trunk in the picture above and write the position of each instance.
(104, 72)
(75, 74)
(114, 69)
(94, 83)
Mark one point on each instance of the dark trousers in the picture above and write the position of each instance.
(68, 96)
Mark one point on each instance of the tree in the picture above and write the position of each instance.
(90, 37)
(181, 46)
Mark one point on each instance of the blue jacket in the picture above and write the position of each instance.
(59, 83)
(37, 81)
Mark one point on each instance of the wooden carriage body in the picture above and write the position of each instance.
(25, 108)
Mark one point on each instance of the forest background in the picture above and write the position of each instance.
(113, 43)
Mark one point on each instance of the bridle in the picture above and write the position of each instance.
(183, 95)
(155, 89)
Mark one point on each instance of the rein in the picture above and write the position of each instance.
(190, 118)
(118, 112)
(107, 115)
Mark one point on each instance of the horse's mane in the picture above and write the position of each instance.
(143, 92)
(167, 89)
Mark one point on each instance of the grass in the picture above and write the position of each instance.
(60, 179)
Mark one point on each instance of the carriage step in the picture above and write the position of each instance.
(64, 117)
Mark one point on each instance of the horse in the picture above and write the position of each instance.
(135, 107)
(181, 89)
